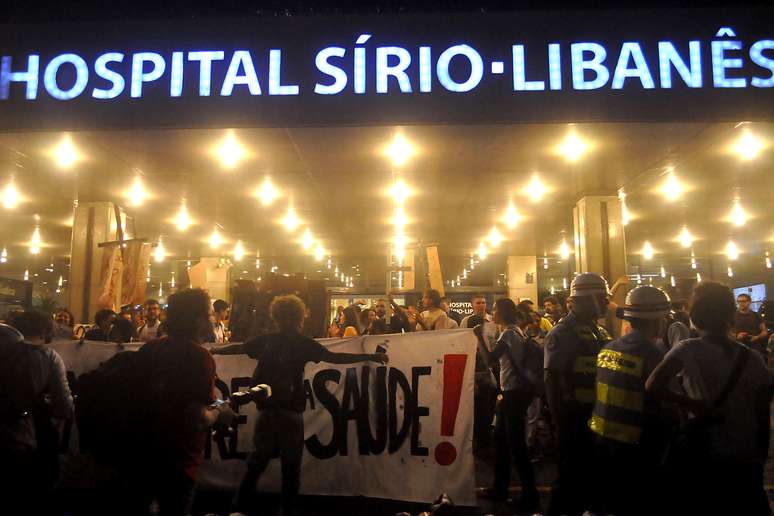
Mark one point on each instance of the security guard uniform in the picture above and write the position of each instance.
(571, 350)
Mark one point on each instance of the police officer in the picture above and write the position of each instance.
(571, 349)
(625, 419)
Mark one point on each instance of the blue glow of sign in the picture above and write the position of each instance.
(366, 68)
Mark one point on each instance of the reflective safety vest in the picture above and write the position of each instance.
(584, 371)
(620, 405)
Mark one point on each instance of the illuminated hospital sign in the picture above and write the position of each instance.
(722, 62)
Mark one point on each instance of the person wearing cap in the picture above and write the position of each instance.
(625, 419)
(570, 364)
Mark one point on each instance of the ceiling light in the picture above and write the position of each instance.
(663, 272)
(545, 263)
(239, 251)
(136, 193)
(172, 282)
(732, 251)
(11, 196)
(647, 251)
(65, 154)
(4, 255)
(625, 215)
(229, 151)
(291, 220)
(494, 237)
(266, 193)
(60, 282)
(159, 253)
(768, 260)
(399, 192)
(698, 277)
(730, 272)
(572, 148)
(319, 253)
(511, 217)
(182, 219)
(535, 190)
(399, 151)
(400, 254)
(482, 251)
(307, 241)
(564, 250)
(215, 239)
(693, 261)
(738, 217)
(671, 188)
(685, 238)
(400, 220)
(672, 280)
(747, 146)
(35, 241)
(26, 274)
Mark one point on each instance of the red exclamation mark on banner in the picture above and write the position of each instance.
(453, 373)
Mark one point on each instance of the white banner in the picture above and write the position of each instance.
(401, 431)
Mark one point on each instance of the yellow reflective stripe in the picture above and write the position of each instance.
(585, 365)
(614, 430)
(585, 395)
(620, 362)
(616, 397)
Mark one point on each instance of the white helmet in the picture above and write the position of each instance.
(588, 284)
(646, 302)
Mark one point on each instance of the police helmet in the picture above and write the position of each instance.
(588, 284)
(646, 302)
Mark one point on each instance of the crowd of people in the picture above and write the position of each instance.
(647, 423)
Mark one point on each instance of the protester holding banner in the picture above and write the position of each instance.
(433, 317)
(281, 359)
(518, 391)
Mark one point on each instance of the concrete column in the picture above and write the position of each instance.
(600, 244)
(522, 278)
(93, 223)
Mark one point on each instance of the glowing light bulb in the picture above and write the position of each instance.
(136, 194)
(229, 152)
(172, 282)
(483, 252)
(572, 148)
(4, 255)
(10, 196)
(535, 190)
(698, 277)
(400, 254)
(545, 263)
(399, 151)
(26, 274)
(730, 272)
(215, 239)
(494, 237)
(399, 192)
(159, 252)
(329, 263)
(291, 220)
(511, 217)
(639, 279)
(399, 219)
(663, 272)
(553, 290)
(647, 251)
(239, 251)
(60, 282)
(747, 146)
(182, 219)
(732, 251)
(672, 189)
(35, 242)
(564, 250)
(65, 154)
(738, 217)
(768, 260)
(319, 253)
(686, 239)
(672, 281)
(307, 240)
(266, 193)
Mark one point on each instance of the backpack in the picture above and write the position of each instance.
(112, 407)
(531, 365)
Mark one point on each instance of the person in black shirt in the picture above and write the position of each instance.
(103, 320)
(280, 425)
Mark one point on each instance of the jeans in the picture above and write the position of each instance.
(511, 445)
(275, 429)
(484, 398)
